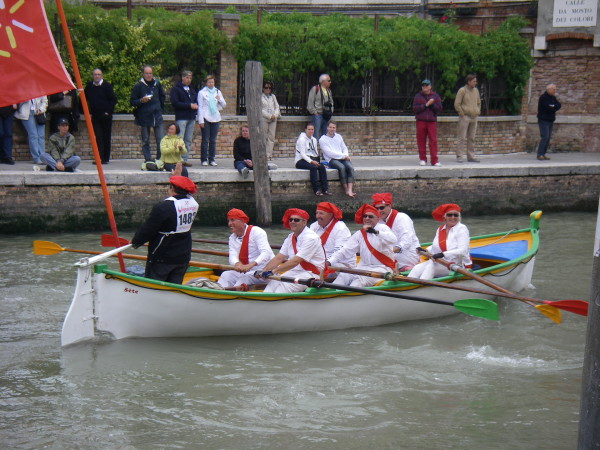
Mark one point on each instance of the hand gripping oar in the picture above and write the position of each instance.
(550, 312)
(574, 306)
(477, 307)
(107, 240)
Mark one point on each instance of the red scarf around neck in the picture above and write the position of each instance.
(327, 231)
(304, 264)
(243, 255)
(390, 220)
(383, 259)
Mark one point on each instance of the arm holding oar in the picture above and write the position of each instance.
(574, 306)
(477, 307)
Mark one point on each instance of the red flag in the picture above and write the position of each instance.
(30, 65)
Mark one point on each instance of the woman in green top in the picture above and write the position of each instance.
(171, 149)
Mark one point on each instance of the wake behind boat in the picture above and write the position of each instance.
(122, 306)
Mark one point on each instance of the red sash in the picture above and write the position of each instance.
(442, 236)
(304, 264)
(243, 255)
(383, 259)
(390, 220)
(327, 231)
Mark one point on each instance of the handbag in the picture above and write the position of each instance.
(40, 119)
(63, 105)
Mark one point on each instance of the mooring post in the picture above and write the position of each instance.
(589, 415)
(262, 186)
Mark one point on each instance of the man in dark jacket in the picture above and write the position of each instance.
(548, 104)
(101, 99)
(426, 106)
(168, 231)
(148, 99)
(184, 99)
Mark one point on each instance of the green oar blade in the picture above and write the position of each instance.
(478, 307)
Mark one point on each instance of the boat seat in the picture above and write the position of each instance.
(501, 251)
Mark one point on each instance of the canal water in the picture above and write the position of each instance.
(457, 382)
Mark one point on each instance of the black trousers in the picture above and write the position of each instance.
(103, 131)
(172, 273)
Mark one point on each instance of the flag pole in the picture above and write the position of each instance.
(90, 128)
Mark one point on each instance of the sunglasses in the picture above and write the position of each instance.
(381, 208)
(294, 219)
(368, 216)
(267, 87)
(452, 215)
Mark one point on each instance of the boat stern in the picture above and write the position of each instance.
(79, 321)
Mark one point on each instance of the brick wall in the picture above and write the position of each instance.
(363, 135)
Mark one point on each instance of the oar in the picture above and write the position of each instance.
(107, 240)
(214, 241)
(477, 307)
(550, 312)
(575, 306)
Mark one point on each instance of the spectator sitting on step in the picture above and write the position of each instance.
(242, 153)
(172, 148)
(61, 148)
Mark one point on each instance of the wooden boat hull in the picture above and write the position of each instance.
(124, 306)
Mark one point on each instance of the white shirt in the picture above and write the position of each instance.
(457, 243)
(333, 147)
(382, 242)
(406, 239)
(270, 106)
(204, 111)
(337, 238)
(305, 148)
(259, 249)
(309, 248)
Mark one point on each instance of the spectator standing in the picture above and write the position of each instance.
(468, 106)
(32, 115)
(184, 99)
(64, 105)
(307, 158)
(320, 104)
(61, 150)
(426, 106)
(101, 99)
(210, 103)
(548, 104)
(148, 99)
(6, 134)
(270, 114)
(336, 154)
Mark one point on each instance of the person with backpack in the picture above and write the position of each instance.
(320, 105)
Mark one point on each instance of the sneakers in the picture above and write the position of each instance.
(319, 194)
(460, 159)
(245, 172)
(212, 163)
(422, 163)
(272, 166)
(543, 158)
(474, 160)
(437, 164)
(9, 161)
(205, 163)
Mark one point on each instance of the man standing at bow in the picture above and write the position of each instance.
(301, 255)
(374, 242)
(168, 231)
(403, 228)
(249, 249)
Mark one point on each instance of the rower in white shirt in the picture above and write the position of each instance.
(249, 250)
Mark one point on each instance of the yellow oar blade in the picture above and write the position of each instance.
(550, 312)
(46, 248)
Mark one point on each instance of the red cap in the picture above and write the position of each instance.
(293, 212)
(385, 197)
(439, 212)
(235, 213)
(330, 208)
(184, 183)
(358, 217)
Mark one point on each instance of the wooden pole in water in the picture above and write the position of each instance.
(262, 187)
(589, 415)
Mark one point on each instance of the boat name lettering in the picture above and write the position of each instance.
(132, 291)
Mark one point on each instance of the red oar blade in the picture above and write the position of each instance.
(108, 240)
(574, 306)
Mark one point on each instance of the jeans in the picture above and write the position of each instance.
(71, 162)
(168, 167)
(427, 130)
(186, 132)
(545, 134)
(320, 125)
(208, 148)
(344, 168)
(6, 135)
(158, 135)
(240, 165)
(35, 135)
(316, 172)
